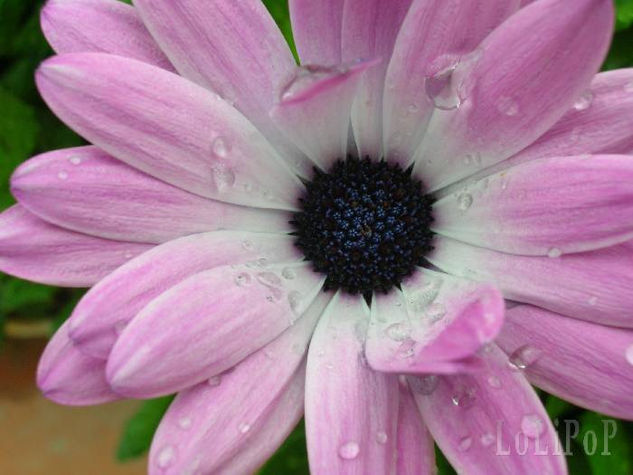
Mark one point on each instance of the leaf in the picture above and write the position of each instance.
(606, 443)
(621, 53)
(139, 429)
(279, 11)
(292, 457)
(624, 14)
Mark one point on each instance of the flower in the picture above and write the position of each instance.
(486, 164)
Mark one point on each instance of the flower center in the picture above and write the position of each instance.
(364, 224)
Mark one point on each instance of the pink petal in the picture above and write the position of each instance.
(544, 207)
(86, 190)
(434, 36)
(595, 286)
(107, 308)
(436, 323)
(207, 324)
(588, 364)
(416, 451)
(490, 422)
(106, 26)
(232, 48)
(35, 250)
(316, 107)
(167, 127)
(600, 122)
(67, 376)
(215, 422)
(317, 29)
(519, 83)
(351, 410)
(370, 28)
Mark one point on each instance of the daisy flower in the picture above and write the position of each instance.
(394, 239)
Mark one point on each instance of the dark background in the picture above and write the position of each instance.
(37, 437)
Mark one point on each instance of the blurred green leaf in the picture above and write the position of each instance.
(140, 428)
(606, 443)
(624, 15)
(621, 53)
(292, 456)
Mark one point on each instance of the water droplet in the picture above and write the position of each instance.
(508, 106)
(349, 450)
(306, 76)
(242, 279)
(487, 439)
(62, 175)
(592, 301)
(220, 147)
(464, 398)
(223, 176)
(584, 102)
(75, 160)
(184, 422)
(294, 300)
(244, 427)
(425, 384)
(523, 357)
(494, 382)
(465, 443)
(214, 381)
(629, 354)
(398, 331)
(532, 426)
(248, 245)
(268, 279)
(441, 90)
(465, 201)
(288, 273)
(554, 253)
(436, 312)
(381, 437)
(166, 456)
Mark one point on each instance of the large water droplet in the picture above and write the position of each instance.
(166, 456)
(441, 89)
(584, 102)
(349, 450)
(532, 426)
(523, 357)
(398, 331)
(220, 147)
(75, 160)
(554, 253)
(464, 201)
(381, 437)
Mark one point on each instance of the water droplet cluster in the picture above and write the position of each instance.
(364, 224)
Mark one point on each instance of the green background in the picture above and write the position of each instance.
(27, 127)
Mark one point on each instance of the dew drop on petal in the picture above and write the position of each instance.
(523, 357)
(248, 245)
(554, 253)
(220, 147)
(532, 426)
(592, 301)
(584, 102)
(629, 354)
(508, 106)
(288, 273)
(441, 91)
(244, 427)
(294, 300)
(349, 450)
(381, 437)
(166, 456)
(398, 331)
(464, 398)
(223, 176)
(184, 422)
(269, 279)
(75, 160)
(436, 312)
(214, 381)
(487, 439)
(242, 279)
(494, 382)
(465, 443)
(464, 201)
(62, 175)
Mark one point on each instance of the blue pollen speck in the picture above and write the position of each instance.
(364, 224)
